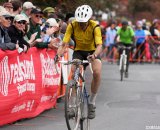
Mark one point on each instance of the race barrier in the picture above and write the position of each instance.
(29, 83)
(151, 53)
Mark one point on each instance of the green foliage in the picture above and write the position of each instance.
(2, 1)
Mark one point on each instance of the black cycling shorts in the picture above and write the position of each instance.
(82, 55)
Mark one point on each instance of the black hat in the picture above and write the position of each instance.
(124, 22)
(36, 11)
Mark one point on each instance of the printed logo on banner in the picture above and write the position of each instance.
(4, 76)
(24, 106)
(45, 98)
(48, 71)
(15, 73)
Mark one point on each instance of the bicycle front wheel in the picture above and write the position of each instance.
(122, 70)
(84, 122)
(73, 106)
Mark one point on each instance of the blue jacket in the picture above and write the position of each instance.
(140, 36)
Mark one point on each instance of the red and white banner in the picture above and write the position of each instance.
(28, 83)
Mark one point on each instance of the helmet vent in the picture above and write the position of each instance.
(81, 14)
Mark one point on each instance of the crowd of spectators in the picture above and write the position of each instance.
(24, 25)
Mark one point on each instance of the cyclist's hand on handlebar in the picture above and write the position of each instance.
(91, 57)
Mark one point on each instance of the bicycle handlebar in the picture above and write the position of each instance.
(76, 62)
(124, 47)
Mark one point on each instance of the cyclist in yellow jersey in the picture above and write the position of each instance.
(88, 45)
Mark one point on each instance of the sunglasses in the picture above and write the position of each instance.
(39, 16)
(21, 22)
(8, 18)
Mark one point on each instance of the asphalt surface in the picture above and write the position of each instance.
(133, 104)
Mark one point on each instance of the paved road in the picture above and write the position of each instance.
(133, 104)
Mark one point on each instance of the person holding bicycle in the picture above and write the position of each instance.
(88, 45)
(126, 38)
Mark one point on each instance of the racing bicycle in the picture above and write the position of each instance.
(76, 86)
(123, 61)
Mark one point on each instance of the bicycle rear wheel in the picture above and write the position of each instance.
(73, 123)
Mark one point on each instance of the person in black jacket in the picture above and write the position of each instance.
(16, 32)
(5, 41)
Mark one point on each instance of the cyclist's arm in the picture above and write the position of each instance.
(98, 41)
(133, 35)
(66, 40)
(98, 49)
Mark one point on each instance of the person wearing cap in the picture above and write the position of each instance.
(27, 8)
(16, 32)
(126, 38)
(55, 36)
(8, 16)
(5, 40)
(48, 11)
(36, 16)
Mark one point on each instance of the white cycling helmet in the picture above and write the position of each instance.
(83, 13)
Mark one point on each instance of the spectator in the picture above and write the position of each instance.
(109, 42)
(156, 35)
(9, 7)
(27, 8)
(63, 27)
(68, 15)
(17, 7)
(36, 16)
(5, 41)
(54, 37)
(48, 11)
(16, 32)
(8, 17)
(140, 41)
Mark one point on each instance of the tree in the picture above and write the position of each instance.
(148, 9)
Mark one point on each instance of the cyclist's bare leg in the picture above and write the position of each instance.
(96, 67)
